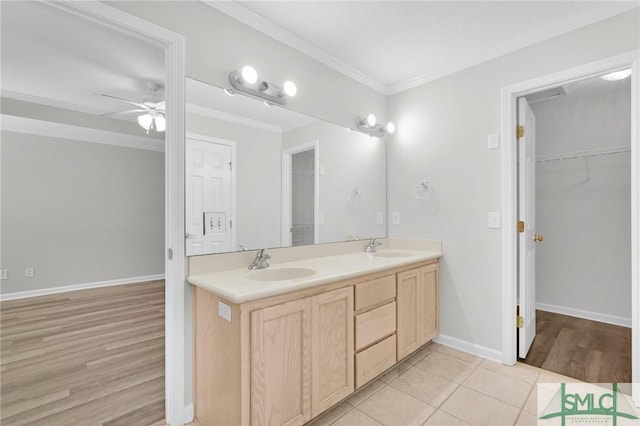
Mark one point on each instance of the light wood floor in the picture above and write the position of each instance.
(89, 357)
(590, 351)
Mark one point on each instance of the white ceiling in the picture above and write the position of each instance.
(394, 45)
(51, 56)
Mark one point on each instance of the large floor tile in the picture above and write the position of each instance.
(425, 386)
(527, 419)
(440, 418)
(479, 409)
(505, 388)
(356, 417)
(446, 366)
(395, 372)
(390, 407)
(459, 354)
(365, 392)
(551, 377)
(520, 371)
(532, 401)
(332, 415)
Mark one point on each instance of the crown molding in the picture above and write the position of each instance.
(276, 32)
(13, 123)
(232, 118)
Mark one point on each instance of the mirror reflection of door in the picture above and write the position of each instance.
(302, 197)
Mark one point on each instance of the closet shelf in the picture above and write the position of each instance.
(599, 152)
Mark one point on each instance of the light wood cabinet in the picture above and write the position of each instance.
(332, 348)
(285, 359)
(417, 308)
(281, 364)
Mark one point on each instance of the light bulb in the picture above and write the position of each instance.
(617, 75)
(161, 123)
(371, 120)
(144, 121)
(249, 74)
(290, 88)
(390, 128)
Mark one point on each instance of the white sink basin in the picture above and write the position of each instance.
(282, 274)
(391, 254)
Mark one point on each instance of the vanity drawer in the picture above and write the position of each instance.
(374, 325)
(375, 360)
(375, 292)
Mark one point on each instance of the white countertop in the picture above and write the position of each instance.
(237, 286)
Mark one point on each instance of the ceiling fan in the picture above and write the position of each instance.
(151, 114)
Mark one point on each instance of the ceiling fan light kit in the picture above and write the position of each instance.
(151, 112)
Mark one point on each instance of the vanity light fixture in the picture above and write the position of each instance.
(617, 75)
(247, 83)
(370, 126)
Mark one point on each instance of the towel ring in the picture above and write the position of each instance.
(423, 190)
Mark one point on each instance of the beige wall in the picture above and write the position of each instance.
(442, 137)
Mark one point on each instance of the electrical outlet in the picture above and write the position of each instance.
(493, 141)
(379, 218)
(29, 272)
(494, 220)
(224, 311)
(395, 218)
(3, 274)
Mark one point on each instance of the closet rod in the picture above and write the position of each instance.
(584, 154)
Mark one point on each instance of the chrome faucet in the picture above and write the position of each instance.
(372, 246)
(260, 262)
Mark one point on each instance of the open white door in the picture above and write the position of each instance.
(526, 226)
(208, 224)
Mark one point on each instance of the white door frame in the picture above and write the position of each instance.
(287, 154)
(232, 146)
(509, 196)
(175, 263)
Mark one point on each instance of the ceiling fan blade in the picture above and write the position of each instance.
(161, 106)
(129, 111)
(139, 105)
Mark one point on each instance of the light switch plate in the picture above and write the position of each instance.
(320, 218)
(493, 141)
(224, 311)
(379, 218)
(395, 218)
(494, 220)
(29, 272)
(3, 274)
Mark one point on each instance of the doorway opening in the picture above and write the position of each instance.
(579, 199)
(510, 234)
(300, 221)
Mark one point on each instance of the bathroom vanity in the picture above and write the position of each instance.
(279, 346)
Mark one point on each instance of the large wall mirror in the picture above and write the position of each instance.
(264, 176)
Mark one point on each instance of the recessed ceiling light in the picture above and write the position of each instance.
(617, 75)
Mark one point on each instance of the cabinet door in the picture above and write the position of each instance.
(428, 300)
(407, 311)
(280, 364)
(332, 348)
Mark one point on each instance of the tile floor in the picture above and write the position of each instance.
(440, 386)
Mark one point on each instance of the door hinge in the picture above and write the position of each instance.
(520, 132)
(230, 166)
(230, 224)
(520, 321)
(520, 226)
(170, 254)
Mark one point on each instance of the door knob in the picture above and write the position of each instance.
(538, 238)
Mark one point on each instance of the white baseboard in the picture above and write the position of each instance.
(593, 316)
(188, 413)
(469, 347)
(74, 287)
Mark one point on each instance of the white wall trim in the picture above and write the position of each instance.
(76, 287)
(188, 413)
(469, 347)
(176, 375)
(276, 32)
(588, 315)
(232, 118)
(32, 126)
(509, 197)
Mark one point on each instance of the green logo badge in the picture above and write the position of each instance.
(588, 404)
